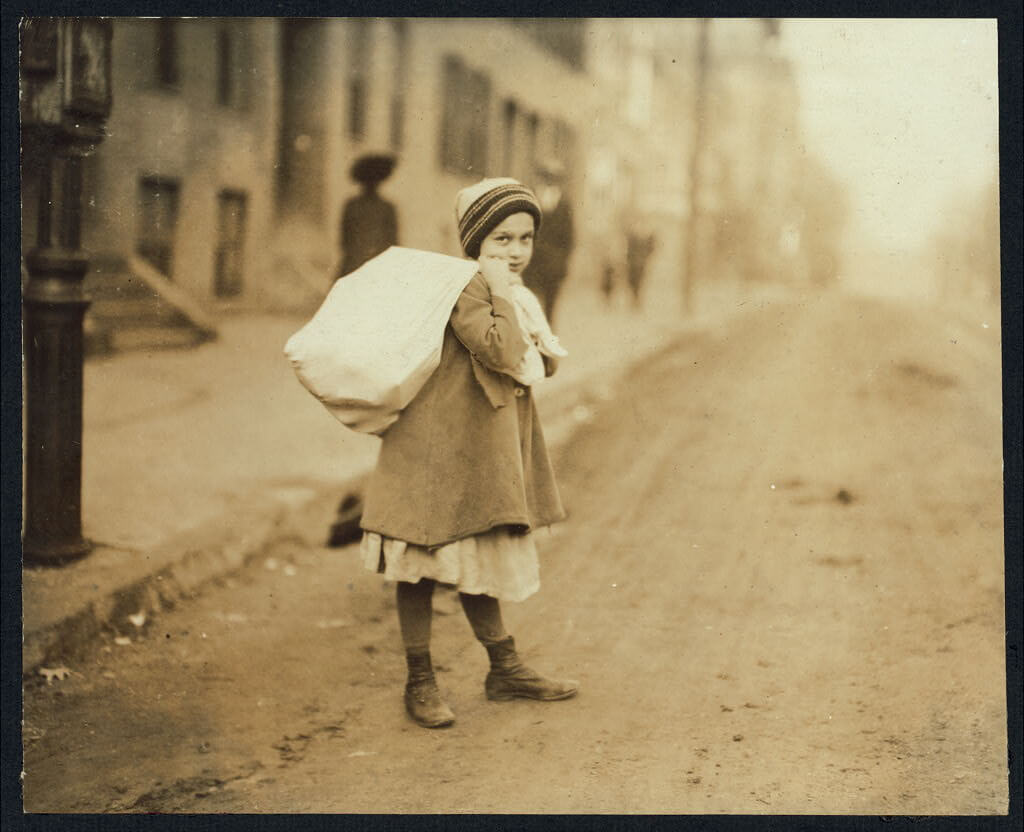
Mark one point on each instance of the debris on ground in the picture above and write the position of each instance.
(50, 673)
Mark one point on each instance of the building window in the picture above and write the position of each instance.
(357, 92)
(401, 64)
(450, 122)
(232, 66)
(357, 108)
(158, 219)
(465, 122)
(480, 96)
(167, 57)
(532, 143)
(563, 38)
(225, 87)
(229, 266)
(565, 145)
(508, 135)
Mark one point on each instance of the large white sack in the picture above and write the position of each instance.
(377, 337)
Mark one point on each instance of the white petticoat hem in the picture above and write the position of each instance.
(496, 563)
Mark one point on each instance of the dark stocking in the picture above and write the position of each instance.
(484, 614)
(414, 612)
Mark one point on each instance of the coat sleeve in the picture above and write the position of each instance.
(485, 322)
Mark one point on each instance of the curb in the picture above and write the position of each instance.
(289, 514)
(192, 561)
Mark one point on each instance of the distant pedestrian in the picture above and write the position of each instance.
(639, 247)
(608, 243)
(463, 477)
(554, 247)
(607, 281)
(369, 226)
(369, 223)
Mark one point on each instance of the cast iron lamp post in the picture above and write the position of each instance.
(65, 100)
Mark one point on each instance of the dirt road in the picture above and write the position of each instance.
(780, 587)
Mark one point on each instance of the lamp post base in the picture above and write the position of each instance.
(53, 308)
(37, 552)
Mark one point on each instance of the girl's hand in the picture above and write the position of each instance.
(496, 272)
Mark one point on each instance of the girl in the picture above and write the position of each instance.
(463, 476)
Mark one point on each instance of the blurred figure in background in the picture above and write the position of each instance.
(640, 243)
(607, 280)
(612, 245)
(369, 224)
(553, 247)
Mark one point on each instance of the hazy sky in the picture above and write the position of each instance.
(904, 111)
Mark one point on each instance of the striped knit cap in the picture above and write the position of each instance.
(480, 208)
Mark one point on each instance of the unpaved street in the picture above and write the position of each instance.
(780, 588)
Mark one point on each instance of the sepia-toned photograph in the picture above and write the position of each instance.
(586, 416)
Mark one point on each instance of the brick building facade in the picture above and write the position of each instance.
(226, 164)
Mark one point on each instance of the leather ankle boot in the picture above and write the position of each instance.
(510, 678)
(422, 698)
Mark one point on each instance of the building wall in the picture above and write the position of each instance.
(182, 133)
(639, 141)
(519, 69)
(289, 148)
(750, 174)
(617, 107)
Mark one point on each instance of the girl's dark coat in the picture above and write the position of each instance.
(467, 455)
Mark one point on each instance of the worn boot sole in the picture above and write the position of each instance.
(423, 724)
(507, 696)
(439, 722)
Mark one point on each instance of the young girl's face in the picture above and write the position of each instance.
(511, 241)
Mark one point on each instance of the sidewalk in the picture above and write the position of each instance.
(196, 460)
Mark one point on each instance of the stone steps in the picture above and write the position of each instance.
(134, 307)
